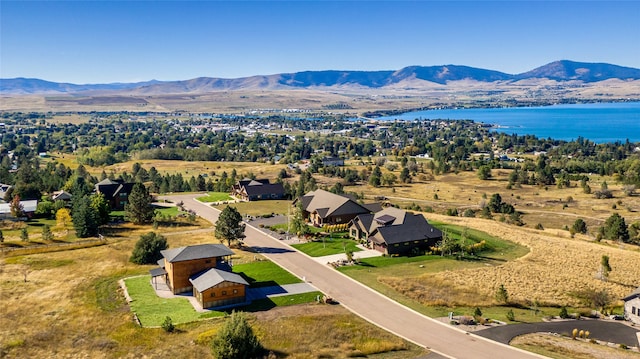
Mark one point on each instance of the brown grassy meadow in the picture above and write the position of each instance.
(68, 304)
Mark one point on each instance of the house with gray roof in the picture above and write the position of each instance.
(321, 207)
(395, 232)
(217, 288)
(180, 264)
(205, 271)
(259, 189)
(632, 306)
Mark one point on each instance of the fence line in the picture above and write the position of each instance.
(53, 247)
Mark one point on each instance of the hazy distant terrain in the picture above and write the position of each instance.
(338, 91)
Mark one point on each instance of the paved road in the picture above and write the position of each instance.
(436, 336)
(613, 332)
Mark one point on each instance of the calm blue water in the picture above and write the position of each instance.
(598, 122)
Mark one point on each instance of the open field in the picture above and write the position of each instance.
(551, 274)
(558, 347)
(75, 299)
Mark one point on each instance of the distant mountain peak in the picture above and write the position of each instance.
(562, 70)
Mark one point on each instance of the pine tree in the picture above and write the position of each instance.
(46, 233)
(236, 340)
(229, 227)
(297, 225)
(85, 218)
(615, 228)
(138, 210)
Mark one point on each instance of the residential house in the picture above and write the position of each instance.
(216, 288)
(28, 208)
(116, 192)
(203, 270)
(332, 161)
(632, 306)
(253, 190)
(321, 207)
(61, 196)
(4, 188)
(395, 232)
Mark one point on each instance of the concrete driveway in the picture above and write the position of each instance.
(443, 339)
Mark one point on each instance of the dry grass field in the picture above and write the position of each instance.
(68, 304)
(555, 268)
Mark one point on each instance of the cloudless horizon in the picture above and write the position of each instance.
(129, 41)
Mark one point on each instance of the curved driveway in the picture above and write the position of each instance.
(438, 337)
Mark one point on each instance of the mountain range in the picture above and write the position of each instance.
(563, 70)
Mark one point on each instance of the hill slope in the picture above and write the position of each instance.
(558, 71)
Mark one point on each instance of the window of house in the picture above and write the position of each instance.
(208, 261)
(235, 291)
(633, 310)
(224, 292)
(213, 294)
(397, 245)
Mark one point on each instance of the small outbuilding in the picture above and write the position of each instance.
(217, 288)
(632, 306)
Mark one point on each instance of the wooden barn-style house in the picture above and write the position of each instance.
(205, 271)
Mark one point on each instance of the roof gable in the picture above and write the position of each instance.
(212, 277)
(199, 251)
(330, 204)
(633, 295)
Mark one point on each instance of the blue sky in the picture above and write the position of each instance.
(125, 41)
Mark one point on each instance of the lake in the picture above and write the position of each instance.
(598, 122)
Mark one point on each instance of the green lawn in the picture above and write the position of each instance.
(265, 274)
(152, 310)
(497, 248)
(215, 197)
(259, 208)
(327, 247)
(282, 301)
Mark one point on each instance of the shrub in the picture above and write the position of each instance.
(236, 340)
(477, 313)
(511, 316)
(147, 249)
(539, 226)
(502, 296)
(167, 325)
(563, 313)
